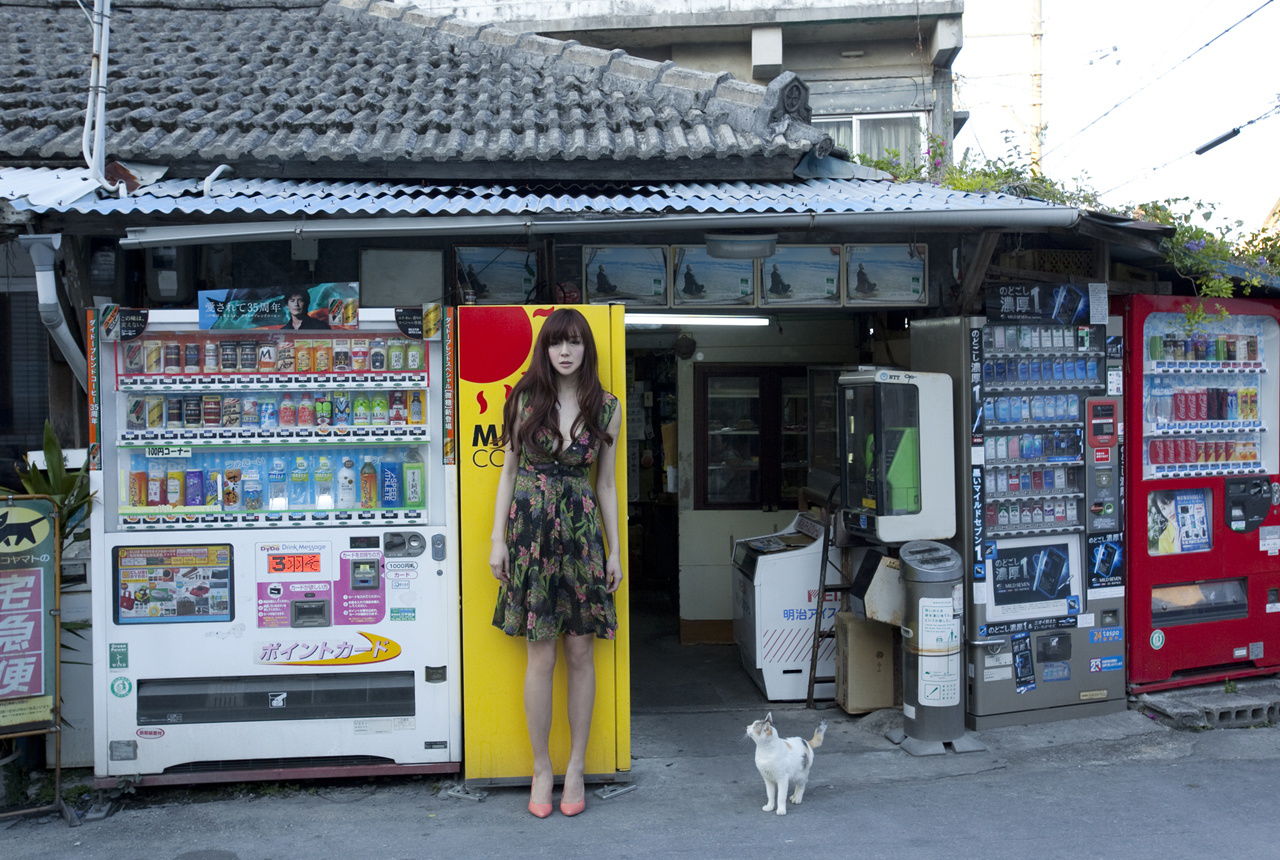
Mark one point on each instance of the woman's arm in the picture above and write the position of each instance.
(499, 558)
(607, 498)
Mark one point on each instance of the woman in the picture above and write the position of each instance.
(548, 550)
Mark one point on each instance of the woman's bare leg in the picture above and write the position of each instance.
(539, 668)
(579, 655)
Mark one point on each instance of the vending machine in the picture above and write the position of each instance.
(275, 567)
(1205, 583)
(1038, 441)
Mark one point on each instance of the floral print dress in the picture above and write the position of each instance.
(558, 582)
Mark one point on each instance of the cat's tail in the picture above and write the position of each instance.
(818, 735)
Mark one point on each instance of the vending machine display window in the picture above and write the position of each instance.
(173, 584)
(1178, 521)
(1197, 602)
(1033, 577)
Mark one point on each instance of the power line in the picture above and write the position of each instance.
(1222, 138)
(1122, 101)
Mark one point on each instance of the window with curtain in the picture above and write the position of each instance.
(876, 135)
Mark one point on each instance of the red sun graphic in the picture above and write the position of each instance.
(493, 342)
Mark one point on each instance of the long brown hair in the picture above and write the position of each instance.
(536, 391)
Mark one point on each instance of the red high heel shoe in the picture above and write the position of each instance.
(572, 809)
(539, 810)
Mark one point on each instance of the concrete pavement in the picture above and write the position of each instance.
(1095, 787)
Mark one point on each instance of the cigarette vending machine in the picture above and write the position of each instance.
(1039, 435)
(275, 579)
(1205, 583)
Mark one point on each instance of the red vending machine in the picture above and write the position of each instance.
(1204, 569)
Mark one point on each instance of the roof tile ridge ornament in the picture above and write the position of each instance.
(698, 84)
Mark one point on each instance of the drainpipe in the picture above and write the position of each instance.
(93, 140)
(43, 249)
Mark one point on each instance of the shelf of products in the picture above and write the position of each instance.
(263, 429)
(1204, 399)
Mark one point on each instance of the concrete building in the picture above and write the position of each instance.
(878, 71)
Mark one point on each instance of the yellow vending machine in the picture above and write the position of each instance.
(492, 351)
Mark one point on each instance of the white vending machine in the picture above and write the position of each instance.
(275, 567)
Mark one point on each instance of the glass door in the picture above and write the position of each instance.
(733, 441)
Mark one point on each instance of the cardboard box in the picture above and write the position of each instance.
(865, 665)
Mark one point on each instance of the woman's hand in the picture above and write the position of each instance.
(499, 560)
(613, 570)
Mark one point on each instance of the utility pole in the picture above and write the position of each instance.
(1037, 76)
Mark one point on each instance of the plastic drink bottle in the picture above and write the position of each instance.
(306, 411)
(360, 410)
(347, 496)
(288, 412)
(323, 479)
(368, 483)
(379, 409)
(277, 487)
(300, 484)
(414, 483)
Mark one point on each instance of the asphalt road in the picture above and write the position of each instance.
(1119, 785)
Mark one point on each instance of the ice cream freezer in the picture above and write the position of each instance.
(274, 578)
(775, 601)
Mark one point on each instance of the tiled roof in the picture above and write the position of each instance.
(306, 88)
(46, 191)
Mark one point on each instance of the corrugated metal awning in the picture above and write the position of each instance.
(46, 191)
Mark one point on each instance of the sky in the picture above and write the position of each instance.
(1097, 53)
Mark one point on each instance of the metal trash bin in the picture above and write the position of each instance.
(932, 640)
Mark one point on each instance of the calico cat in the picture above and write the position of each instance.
(783, 762)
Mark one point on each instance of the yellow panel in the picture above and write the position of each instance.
(494, 343)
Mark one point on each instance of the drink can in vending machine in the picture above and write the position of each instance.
(248, 355)
(172, 356)
(152, 356)
(133, 356)
(303, 355)
(359, 353)
(415, 357)
(267, 356)
(1155, 452)
(191, 357)
(323, 355)
(231, 413)
(230, 356)
(250, 410)
(210, 356)
(173, 413)
(285, 357)
(342, 355)
(396, 356)
(1251, 348)
(155, 412)
(1202, 405)
(135, 412)
(191, 411)
(211, 410)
